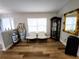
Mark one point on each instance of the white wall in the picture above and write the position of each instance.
(72, 5)
(1, 42)
(22, 17)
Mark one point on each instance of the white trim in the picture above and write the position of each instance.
(5, 49)
(78, 52)
(64, 43)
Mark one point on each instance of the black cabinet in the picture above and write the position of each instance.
(72, 46)
(55, 28)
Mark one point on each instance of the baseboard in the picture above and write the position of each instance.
(78, 52)
(5, 49)
(63, 42)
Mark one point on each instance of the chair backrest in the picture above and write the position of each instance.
(41, 34)
(32, 34)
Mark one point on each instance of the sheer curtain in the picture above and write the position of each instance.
(37, 24)
(7, 23)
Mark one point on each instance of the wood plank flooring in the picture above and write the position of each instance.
(50, 50)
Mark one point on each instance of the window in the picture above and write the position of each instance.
(7, 23)
(70, 24)
(37, 24)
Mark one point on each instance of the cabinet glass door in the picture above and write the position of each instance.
(54, 28)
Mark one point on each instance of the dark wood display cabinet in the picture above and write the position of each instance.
(55, 28)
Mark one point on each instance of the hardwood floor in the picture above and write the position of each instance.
(50, 50)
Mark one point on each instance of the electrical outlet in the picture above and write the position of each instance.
(65, 40)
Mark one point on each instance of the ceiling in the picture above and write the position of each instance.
(31, 5)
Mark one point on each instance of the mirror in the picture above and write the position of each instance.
(71, 22)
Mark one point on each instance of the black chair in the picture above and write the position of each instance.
(72, 46)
